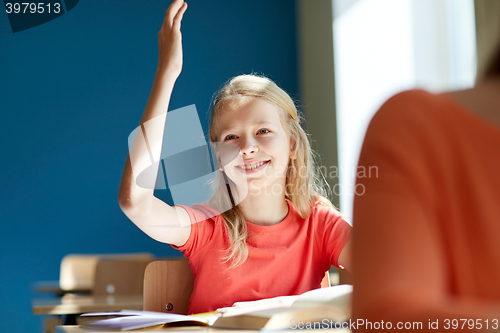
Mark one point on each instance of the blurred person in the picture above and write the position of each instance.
(426, 244)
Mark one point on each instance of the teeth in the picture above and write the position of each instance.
(253, 166)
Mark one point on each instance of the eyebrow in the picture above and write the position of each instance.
(231, 129)
(257, 124)
(264, 122)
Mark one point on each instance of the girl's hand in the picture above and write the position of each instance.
(170, 40)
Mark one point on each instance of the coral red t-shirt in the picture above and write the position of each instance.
(287, 258)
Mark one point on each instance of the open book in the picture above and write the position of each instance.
(127, 320)
(319, 308)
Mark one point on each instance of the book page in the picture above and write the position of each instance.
(239, 308)
(337, 296)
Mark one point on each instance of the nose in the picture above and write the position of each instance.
(248, 146)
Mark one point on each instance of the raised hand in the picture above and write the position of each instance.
(170, 40)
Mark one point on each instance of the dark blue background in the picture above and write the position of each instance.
(72, 90)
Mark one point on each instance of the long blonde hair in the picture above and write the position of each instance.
(304, 184)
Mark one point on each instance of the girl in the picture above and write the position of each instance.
(280, 234)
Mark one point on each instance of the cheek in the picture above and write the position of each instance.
(227, 153)
(279, 149)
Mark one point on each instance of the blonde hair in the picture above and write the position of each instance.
(302, 189)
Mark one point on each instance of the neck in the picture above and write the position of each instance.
(264, 209)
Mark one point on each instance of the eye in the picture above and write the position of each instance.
(263, 131)
(230, 137)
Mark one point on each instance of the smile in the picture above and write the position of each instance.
(252, 166)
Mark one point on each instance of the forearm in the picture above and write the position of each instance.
(159, 98)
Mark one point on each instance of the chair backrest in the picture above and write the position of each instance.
(119, 277)
(168, 285)
(78, 271)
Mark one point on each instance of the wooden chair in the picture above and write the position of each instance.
(168, 285)
(119, 277)
(79, 272)
(99, 275)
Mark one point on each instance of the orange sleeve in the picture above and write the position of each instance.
(203, 225)
(399, 263)
(335, 235)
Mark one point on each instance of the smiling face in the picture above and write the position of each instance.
(253, 124)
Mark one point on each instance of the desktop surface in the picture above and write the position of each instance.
(194, 329)
(70, 304)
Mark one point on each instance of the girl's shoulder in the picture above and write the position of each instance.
(325, 211)
(327, 220)
(324, 204)
(202, 212)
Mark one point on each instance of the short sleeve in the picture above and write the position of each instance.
(336, 234)
(201, 232)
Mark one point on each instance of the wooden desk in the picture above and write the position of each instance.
(52, 287)
(77, 329)
(70, 304)
(194, 329)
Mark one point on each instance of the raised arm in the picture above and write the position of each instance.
(153, 216)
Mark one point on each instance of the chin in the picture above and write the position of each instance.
(262, 186)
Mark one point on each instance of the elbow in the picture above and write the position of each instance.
(135, 204)
(124, 200)
(133, 208)
(132, 211)
(127, 205)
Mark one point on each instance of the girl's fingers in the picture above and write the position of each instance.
(172, 11)
(178, 17)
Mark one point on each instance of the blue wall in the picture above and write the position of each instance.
(71, 90)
